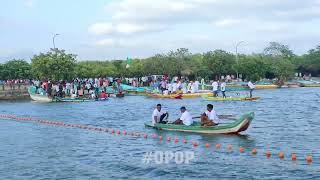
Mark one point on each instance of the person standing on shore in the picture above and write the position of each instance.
(196, 85)
(202, 84)
(251, 87)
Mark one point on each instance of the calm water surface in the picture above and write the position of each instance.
(286, 120)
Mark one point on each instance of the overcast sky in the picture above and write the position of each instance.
(115, 29)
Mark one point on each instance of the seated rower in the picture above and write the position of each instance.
(209, 118)
(103, 95)
(158, 115)
(185, 118)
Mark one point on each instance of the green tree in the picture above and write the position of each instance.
(219, 62)
(1, 72)
(16, 69)
(278, 50)
(252, 67)
(310, 62)
(55, 64)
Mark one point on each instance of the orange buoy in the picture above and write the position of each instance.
(309, 159)
(160, 137)
(176, 140)
(185, 141)
(229, 147)
(124, 132)
(218, 146)
(145, 136)
(168, 139)
(112, 131)
(254, 151)
(281, 155)
(118, 132)
(207, 145)
(293, 157)
(268, 154)
(241, 149)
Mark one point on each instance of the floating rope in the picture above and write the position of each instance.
(195, 144)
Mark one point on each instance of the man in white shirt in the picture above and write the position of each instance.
(174, 87)
(215, 88)
(209, 117)
(158, 115)
(251, 87)
(196, 84)
(185, 119)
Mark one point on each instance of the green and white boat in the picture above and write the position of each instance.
(41, 97)
(235, 127)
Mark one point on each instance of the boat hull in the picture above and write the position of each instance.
(238, 126)
(178, 96)
(208, 98)
(40, 98)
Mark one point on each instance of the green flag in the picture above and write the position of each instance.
(129, 61)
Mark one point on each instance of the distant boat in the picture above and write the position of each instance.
(211, 98)
(45, 99)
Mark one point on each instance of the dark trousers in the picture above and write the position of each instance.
(251, 93)
(215, 93)
(161, 119)
(224, 94)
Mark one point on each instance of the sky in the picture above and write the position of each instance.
(116, 29)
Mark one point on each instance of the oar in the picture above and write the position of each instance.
(225, 116)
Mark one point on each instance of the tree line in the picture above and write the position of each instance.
(276, 61)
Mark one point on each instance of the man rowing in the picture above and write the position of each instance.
(251, 87)
(158, 115)
(185, 118)
(209, 117)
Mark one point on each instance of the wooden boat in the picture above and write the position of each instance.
(135, 93)
(237, 126)
(211, 98)
(40, 98)
(179, 96)
(45, 99)
(194, 95)
(169, 96)
(266, 86)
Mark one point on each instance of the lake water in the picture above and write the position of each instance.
(286, 120)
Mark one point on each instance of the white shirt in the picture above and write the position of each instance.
(186, 118)
(251, 86)
(170, 87)
(193, 88)
(88, 86)
(174, 87)
(157, 114)
(215, 86)
(196, 83)
(213, 116)
(223, 86)
(68, 86)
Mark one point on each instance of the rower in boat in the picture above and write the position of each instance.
(103, 95)
(223, 89)
(251, 87)
(185, 119)
(209, 117)
(159, 115)
(215, 88)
